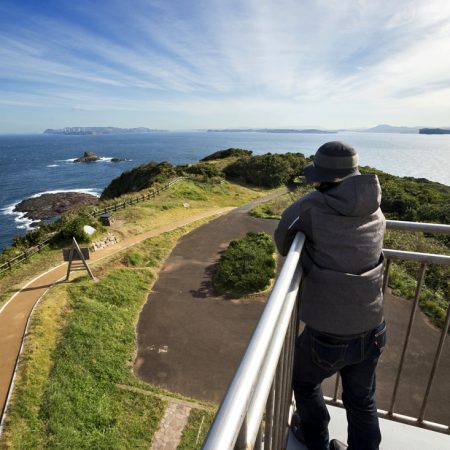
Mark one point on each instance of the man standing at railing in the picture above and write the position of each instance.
(341, 300)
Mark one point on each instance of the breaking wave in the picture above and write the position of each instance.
(23, 222)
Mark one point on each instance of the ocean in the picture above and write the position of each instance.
(34, 164)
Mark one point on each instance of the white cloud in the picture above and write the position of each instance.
(254, 62)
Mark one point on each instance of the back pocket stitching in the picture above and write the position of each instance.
(323, 362)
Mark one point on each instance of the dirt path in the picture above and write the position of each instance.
(191, 341)
(15, 312)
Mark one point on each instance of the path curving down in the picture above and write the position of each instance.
(15, 313)
(190, 340)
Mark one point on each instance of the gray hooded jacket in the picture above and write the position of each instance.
(341, 291)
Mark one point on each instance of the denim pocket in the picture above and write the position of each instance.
(379, 337)
(328, 355)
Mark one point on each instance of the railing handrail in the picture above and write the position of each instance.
(418, 226)
(416, 256)
(232, 412)
(236, 422)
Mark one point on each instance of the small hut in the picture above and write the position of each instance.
(107, 219)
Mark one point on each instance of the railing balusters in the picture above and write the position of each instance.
(267, 385)
(268, 435)
(241, 441)
(284, 394)
(277, 411)
(408, 335)
(386, 274)
(435, 363)
(259, 437)
(336, 387)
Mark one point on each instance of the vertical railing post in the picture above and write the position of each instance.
(259, 439)
(277, 408)
(336, 387)
(408, 335)
(241, 441)
(435, 363)
(386, 274)
(268, 435)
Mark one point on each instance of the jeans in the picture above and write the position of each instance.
(319, 356)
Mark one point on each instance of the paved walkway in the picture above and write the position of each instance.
(15, 312)
(191, 341)
(168, 434)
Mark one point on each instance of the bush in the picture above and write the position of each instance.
(208, 171)
(247, 266)
(73, 227)
(139, 178)
(267, 170)
(222, 154)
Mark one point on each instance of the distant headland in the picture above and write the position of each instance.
(83, 131)
(270, 130)
(434, 131)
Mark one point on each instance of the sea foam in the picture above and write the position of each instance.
(24, 223)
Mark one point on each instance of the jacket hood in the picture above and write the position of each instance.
(358, 195)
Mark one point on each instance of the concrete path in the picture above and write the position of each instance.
(168, 435)
(191, 341)
(15, 312)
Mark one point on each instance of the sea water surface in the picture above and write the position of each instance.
(34, 164)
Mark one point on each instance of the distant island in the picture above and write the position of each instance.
(391, 129)
(434, 131)
(83, 131)
(270, 130)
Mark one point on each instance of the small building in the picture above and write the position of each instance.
(107, 219)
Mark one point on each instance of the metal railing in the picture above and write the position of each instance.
(256, 409)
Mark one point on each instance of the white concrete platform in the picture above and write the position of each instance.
(395, 435)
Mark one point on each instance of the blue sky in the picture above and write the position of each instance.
(191, 64)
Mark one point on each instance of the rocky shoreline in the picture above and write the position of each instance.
(48, 206)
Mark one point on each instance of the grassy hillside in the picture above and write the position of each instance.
(403, 199)
(81, 346)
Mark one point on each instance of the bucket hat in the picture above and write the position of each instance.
(332, 160)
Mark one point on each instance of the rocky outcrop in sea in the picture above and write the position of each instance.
(47, 206)
(87, 157)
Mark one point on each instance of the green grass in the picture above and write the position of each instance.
(434, 299)
(81, 345)
(247, 266)
(138, 218)
(274, 208)
(13, 280)
(196, 430)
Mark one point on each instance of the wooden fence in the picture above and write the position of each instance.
(8, 265)
(138, 199)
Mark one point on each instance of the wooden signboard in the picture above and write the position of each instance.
(76, 253)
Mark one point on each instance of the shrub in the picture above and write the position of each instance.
(139, 178)
(247, 266)
(222, 154)
(73, 227)
(206, 170)
(267, 170)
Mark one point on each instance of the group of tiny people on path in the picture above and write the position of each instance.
(341, 299)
